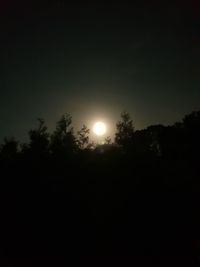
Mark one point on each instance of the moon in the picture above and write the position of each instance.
(99, 128)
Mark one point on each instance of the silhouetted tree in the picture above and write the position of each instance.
(9, 149)
(192, 120)
(181, 140)
(91, 145)
(83, 137)
(63, 140)
(125, 131)
(39, 140)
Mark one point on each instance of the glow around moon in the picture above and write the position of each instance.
(99, 128)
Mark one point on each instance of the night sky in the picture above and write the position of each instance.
(95, 60)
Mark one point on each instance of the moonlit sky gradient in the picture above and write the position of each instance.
(95, 60)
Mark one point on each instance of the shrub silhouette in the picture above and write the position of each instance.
(107, 140)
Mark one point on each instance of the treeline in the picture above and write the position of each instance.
(120, 203)
(179, 141)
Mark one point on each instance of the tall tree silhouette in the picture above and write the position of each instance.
(83, 137)
(39, 140)
(63, 140)
(125, 131)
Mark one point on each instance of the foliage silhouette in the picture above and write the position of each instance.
(83, 137)
(63, 141)
(39, 140)
(125, 131)
(9, 149)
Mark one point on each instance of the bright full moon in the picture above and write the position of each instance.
(99, 128)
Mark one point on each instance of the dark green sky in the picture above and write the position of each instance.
(94, 60)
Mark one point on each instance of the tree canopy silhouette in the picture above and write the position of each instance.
(9, 148)
(63, 141)
(125, 131)
(83, 137)
(39, 140)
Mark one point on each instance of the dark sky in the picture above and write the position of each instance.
(95, 60)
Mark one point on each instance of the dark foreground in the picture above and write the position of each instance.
(100, 213)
